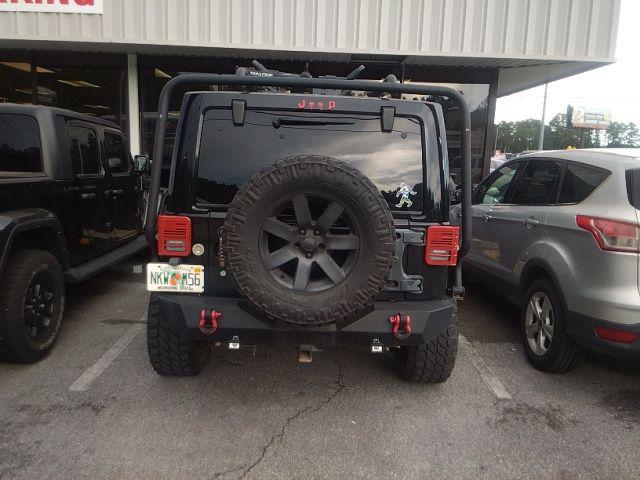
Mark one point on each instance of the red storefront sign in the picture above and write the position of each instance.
(58, 6)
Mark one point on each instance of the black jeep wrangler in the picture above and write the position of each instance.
(70, 206)
(305, 213)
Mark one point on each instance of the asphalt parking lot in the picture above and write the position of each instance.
(95, 409)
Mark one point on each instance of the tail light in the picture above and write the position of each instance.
(612, 235)
(442, 245)
(174, 236)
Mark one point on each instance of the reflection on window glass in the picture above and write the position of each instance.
(19, 144)
(85, 153)
(495, 191)
(537, 183)
(393, 161)
(579, 181)
(116, 152)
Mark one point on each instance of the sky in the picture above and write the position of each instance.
(623, 77)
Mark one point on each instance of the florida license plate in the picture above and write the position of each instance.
(162, 277)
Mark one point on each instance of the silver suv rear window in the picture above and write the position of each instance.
(579, 181)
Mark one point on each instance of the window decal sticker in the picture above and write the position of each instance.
(404, 192)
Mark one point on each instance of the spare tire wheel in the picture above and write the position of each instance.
(309, 240)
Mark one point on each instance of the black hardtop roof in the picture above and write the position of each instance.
(43, 109)
(289, 101)
(319, 96)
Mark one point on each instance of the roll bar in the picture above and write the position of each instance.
(324, 83)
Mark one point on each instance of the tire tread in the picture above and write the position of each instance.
(169, 353)
(432, 362)
(13, 346)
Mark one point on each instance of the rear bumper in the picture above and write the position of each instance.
(582, 329)
(182, 313)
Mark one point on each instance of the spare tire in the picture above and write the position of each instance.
(309, 240)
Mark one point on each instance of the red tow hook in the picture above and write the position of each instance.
(213, 325)
(401, 326)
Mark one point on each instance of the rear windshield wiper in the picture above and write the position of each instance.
(279, 122)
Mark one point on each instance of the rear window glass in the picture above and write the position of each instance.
(19, 144)
(231, 154)
(633, 187)
(579, 181)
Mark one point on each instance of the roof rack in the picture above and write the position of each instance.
(259, 70)
(325, 83)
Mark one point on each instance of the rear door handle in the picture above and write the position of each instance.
(87, 196)
(115, 193)
(486, 218)
(531, 222)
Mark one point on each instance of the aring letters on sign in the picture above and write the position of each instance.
(59, 6)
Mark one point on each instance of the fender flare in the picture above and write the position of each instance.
(541, 264)
(14, 222)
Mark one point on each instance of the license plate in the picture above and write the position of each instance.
(162, 277)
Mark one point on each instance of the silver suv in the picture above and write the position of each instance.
(559, 233)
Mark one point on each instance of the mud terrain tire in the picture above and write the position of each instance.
(355, 206)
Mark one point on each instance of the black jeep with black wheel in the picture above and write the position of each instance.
(70, 207)
(310, 219)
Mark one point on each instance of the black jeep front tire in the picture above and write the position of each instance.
(430, 362)
(170, 354)
(32, 304)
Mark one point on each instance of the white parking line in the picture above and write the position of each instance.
(488, 377)
(94, 371)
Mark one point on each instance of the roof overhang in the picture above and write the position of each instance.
(516, 73)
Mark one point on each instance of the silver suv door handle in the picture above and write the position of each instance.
(531, 222)
(486, 218)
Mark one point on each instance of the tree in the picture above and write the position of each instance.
(518, 136)
(622, 135)
(523, 135)
(558, 137)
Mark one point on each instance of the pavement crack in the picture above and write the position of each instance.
(277, 437)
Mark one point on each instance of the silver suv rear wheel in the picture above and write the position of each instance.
(539, 323)
(544, 333)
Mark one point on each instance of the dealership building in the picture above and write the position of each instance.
(110, 58)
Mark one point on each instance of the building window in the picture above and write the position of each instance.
(65, 81)
(16, 82)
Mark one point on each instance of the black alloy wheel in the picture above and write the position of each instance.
(309, 243)
(33, 298)
(40, 305)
